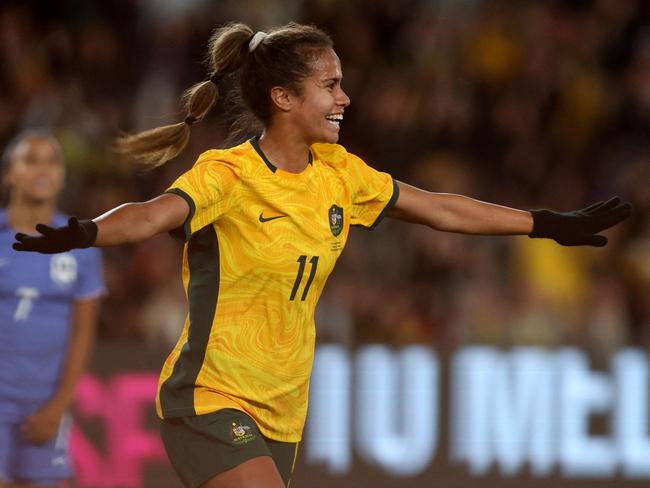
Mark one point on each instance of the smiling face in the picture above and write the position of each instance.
(318, 110)
(36, 172)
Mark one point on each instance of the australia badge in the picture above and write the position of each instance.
(336, 219)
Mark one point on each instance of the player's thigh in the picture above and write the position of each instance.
(224, 445)
(260, 472)
(284, 454)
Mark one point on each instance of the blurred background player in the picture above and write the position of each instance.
(48, 313)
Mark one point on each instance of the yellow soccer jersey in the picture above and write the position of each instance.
(260, 244)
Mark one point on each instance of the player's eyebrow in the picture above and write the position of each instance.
(335, 79)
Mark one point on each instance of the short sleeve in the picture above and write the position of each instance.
(91, 277)
(373, 193)
(208, 189)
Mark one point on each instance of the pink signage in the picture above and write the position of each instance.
(122, 405)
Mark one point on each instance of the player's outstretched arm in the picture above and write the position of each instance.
(131, 222)
(457, 213)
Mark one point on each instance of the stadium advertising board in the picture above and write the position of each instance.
(390, 417)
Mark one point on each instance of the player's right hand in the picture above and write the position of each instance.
(42, 425)
(77, 234)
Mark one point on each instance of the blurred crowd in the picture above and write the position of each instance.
(527, 104)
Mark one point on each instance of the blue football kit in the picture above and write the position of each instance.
(37, 295)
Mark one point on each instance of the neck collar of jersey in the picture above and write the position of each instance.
(255, 142)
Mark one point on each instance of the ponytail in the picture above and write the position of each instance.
(282, 57)
(228, 51)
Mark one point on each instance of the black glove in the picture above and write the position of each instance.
(77, 234)
(579, 228)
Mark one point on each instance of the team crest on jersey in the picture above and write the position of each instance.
(241, 434)
(336, 220)
(63, 269)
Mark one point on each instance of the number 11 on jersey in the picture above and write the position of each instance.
(302, 260)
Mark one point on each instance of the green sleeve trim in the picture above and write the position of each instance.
(183, 232)
(388, 207)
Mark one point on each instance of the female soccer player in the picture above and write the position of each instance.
(48, 314)
(264, 223)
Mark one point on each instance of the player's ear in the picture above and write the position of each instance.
(282, 98)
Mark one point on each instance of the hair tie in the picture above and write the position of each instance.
(189, 120)
(216, 78)
(256, 40)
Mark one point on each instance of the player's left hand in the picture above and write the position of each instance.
(43, 424)
(579, 228)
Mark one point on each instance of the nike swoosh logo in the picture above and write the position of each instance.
(267, 219)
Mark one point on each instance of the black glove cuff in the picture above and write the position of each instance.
(90, 231)
(543, 223)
